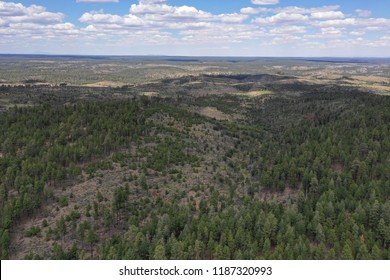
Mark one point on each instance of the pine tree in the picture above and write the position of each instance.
(346, 253)
(159, 251)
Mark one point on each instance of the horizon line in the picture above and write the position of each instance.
(167, 55)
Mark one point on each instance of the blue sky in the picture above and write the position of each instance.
(197, 27)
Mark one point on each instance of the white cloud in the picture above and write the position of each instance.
(362, 22)
(39, 18)
(195, 26)
(151, 23)
(231, 18)
(337, 22)
(165, 13)
(375, 28)
(189, 13)
(357, 33)
(331, 31)
(283, 40)
(221, 33)
(292, 10)
(21, 24)
(324, 9)
(283, 18)
(91, 28)
(292, 29)
(265, 2)
(289, 10)
(100, 18)
(113, 21)
(3, 23)
(64, 27)
(249, 11)
(16, 12)
(363, 13)
(152, 1)
(151, 9)
(13, 9)
(327, 15)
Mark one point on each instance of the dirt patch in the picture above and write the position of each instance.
(150, 93)
(384, 90)
(254, 93)
(213, 112)
(284, 196)
(105, 84)
(337, 167)
(374, 79)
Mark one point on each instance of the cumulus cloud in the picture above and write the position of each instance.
(327, 15)
(222, 33)
(289, 9)
(193, 25)
(363, 13)
(337, 22)
(151, 8)
(100, 18)
(15, 9)
(111, 20)
(201, 26)
(231, 18)
(282, 18)
(301, 10)
(292, 29)
(158, 11)
(152, 1)
(331, 31)
(249, 11)
(265, 2)
(362, 22)
(3, 23)
(157, 22)
(357, 33)
(21, 24)
(16, 13)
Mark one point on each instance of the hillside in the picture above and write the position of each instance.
(200, 166)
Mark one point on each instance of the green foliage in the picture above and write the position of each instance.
(303, 177)
(63, 201)
(99, 165)
(99, 196)
(60, 254)
(45, 223)
(33, 231)
(170, 152)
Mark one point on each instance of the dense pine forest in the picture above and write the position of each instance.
(295, 172)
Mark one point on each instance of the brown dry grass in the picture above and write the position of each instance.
(213, 112)
(150, 93)
(254, 93)
(105, 84)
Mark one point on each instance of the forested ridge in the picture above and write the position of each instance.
(296, 177)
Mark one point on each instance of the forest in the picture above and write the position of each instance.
(267, 168)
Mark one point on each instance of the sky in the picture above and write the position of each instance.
(337, 28)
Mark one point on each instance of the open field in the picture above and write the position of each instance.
(99, 71)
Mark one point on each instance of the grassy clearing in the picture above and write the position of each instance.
(214, 113)
(379, 89)
(105, 84)
(254, 93)
(150, 93)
